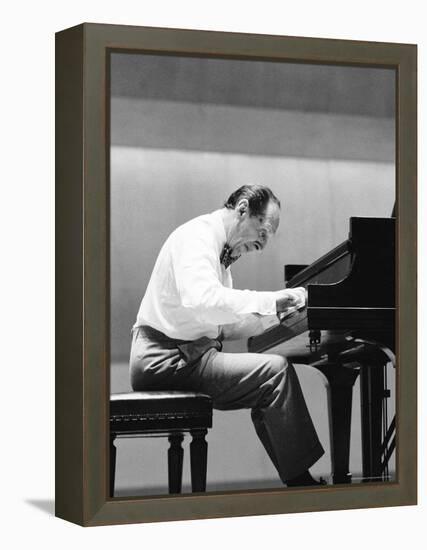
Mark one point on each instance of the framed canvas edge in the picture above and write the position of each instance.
(85, 500)
(69, 275)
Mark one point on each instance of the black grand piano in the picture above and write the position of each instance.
(348, 330)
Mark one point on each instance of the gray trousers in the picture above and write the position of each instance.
(265, 383)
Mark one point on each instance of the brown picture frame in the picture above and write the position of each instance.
(82, 283)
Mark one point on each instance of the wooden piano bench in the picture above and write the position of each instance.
(164, 414)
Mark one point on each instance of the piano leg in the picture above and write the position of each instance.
(341, 381)
(371, 398)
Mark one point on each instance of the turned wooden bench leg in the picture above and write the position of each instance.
(175, 459)
(113, 453)
(199, 460)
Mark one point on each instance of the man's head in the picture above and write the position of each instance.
(254, 215)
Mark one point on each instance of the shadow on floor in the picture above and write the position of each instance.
(47, 506)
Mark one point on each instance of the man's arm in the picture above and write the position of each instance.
(195, 266)
(195, 262)
(254, 324)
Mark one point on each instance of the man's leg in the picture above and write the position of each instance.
(265, 383)
(268, 385)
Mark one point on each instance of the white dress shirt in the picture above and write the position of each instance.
(190, 293)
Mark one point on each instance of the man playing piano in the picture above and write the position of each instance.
(190, 307)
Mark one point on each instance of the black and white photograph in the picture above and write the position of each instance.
(214, 247)
(252, 210)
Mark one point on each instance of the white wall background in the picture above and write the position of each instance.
(26, 223)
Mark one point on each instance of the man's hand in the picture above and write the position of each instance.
(290, 298)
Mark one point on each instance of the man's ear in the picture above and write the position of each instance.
(243, 206)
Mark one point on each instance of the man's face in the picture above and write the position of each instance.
(253, 232)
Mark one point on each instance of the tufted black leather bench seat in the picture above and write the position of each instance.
(164, 413)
